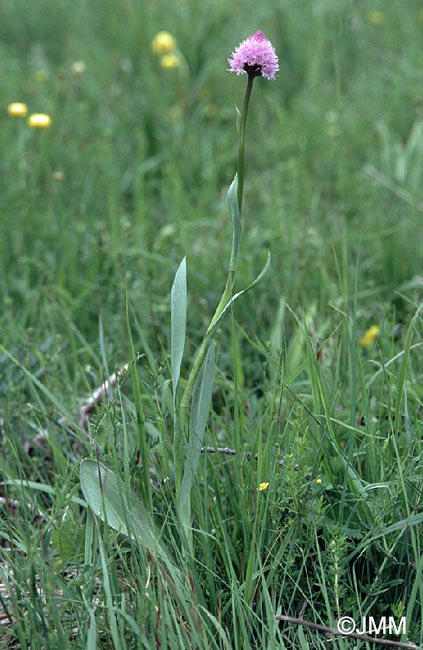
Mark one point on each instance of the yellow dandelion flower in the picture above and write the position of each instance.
(39, 121)
(78, 68)
(263, 486)
(17, 109)
(318, 481)
(170, 61)
(369, 336)
(163, 43)
(375, 17)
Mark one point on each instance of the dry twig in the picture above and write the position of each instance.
(99, 395)
(330, 631)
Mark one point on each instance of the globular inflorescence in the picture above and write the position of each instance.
(255, 56)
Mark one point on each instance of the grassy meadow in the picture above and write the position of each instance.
(293, 485)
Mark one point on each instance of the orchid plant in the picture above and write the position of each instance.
(254, 57)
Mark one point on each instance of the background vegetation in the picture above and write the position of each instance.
(96, 214)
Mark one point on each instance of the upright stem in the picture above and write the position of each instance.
(241, 148)
(201, 354)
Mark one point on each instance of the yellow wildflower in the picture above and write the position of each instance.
(318, 481)
(369, 336)
(375, 17)
(17, 109)
(263, 486)
(163, 43)
(170, 61)
(39, 121)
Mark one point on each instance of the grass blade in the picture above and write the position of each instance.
(404, 365)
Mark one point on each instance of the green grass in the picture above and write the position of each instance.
(333, 189)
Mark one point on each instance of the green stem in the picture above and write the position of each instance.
(226, 296)
(241, 147)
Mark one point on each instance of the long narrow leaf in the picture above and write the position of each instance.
(233, 208)
(404, 364)
(42, 487)
(178, 314)
(237, 295)
(201, 400)
(402, 525)
(178, 307)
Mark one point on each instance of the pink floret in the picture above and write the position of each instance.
(255, 56)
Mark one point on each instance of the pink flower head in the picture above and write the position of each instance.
(255, 56)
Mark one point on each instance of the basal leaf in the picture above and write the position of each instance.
(107, 497)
